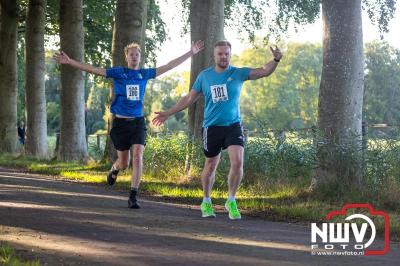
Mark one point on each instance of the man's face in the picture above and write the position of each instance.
(222, 56)
(133, 57)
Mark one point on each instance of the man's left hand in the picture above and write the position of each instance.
(276, 53)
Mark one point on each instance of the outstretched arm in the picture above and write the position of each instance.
(183, 103)
(269, 67)
(63, 58)
(196, 47)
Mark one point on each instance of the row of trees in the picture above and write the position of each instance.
(130, 21)
(341, 88)
(24, 27)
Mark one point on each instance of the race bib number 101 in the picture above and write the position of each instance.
(132, 92)
(219, 93)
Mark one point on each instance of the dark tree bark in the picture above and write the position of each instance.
(207, 24)
(73, 145)
(9, 10)
(36, 142)
(129, 26)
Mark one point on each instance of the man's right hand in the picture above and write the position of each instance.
(62, 58)
(160, 118)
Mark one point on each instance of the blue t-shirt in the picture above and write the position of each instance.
(221, 94)
(129, 89)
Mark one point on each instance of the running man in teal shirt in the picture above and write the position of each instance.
(221, 86)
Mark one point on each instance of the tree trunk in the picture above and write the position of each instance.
(8, 75)
(36, 142)
(207, 24)
(73, 145)
(129, 26)
(341, 94)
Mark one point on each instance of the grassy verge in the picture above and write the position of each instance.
(281, 201)
(8, 257)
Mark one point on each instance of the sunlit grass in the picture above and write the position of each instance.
(382, 144)
(83, 176)
(179, 191)
(9, 258)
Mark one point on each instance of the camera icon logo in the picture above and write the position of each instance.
(334, 238)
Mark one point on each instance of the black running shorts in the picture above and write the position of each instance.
(128, 131)
(217, 138)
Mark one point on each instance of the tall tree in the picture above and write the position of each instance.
(341, 88)
(72, 145)
(8, 75)
(206, 23)
(129, 26)
(341, 93)
(36, 143)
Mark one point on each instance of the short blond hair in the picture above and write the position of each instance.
(223, 43)
(130, 46)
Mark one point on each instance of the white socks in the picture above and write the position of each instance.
(207, 200)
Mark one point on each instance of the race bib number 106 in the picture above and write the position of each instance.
(219, 93)
(132, 92)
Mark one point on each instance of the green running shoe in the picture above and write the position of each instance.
(232, 208)
(207, 210)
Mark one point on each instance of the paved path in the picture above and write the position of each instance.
(67, 223)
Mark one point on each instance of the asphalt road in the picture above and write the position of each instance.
(68, 223)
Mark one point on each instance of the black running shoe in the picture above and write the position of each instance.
(132, 201)
(110, 179)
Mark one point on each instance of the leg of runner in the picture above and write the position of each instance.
(208, 178)
(120, 164)
(235, 176)
(137, 166)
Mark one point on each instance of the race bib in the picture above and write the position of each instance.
(132, 92)
(219, 93)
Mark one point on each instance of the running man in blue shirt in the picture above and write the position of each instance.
(221, 86)
(128, 126)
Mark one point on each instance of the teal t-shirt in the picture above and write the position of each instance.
(221, 94)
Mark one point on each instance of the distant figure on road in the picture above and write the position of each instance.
(21, 132)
